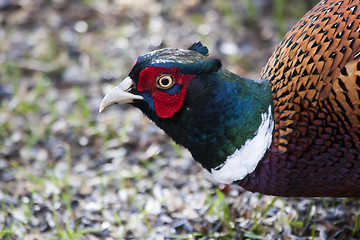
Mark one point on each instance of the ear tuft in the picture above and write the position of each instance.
(217, 64)
(198, 47)
(209, 66)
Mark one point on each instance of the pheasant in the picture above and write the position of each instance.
(293, 132)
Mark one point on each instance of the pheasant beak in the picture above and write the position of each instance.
(119, 94)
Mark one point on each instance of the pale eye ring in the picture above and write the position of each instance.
(165, 81)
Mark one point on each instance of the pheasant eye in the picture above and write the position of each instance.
(165, 81)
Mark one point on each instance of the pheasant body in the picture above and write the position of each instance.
(295, 133)
(314, 77)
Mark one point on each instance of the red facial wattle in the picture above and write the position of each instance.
(166, 103)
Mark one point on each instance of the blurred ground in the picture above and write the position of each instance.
(68, 173)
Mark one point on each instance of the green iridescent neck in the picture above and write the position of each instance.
(220, 113)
